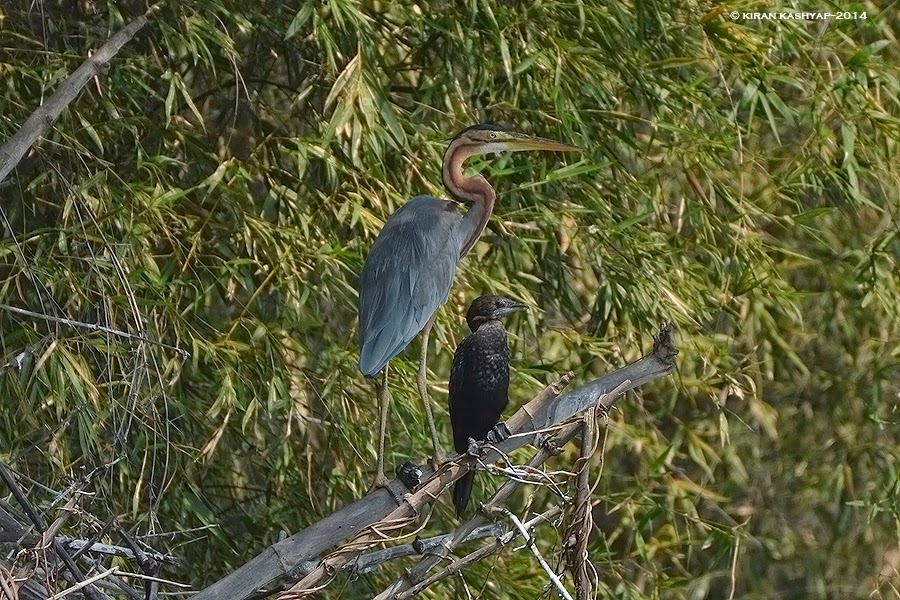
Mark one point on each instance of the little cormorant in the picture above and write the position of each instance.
(479, 381)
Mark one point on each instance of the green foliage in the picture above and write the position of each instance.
(218, 189)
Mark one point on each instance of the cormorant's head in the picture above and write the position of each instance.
(490, 308)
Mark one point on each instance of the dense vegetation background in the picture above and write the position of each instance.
(217, 191)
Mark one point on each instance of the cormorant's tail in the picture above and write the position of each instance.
(462, 489)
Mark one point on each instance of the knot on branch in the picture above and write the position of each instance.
(410, 474)
(664, 344)
(546, 443)
(418, 545)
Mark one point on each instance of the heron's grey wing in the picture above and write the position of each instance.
(407, 276)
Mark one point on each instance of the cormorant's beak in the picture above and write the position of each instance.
(516, 307)
(518, 142)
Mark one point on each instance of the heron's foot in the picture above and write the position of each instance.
(437, 459)
(380, 481)
(410, 474)
(499, 433)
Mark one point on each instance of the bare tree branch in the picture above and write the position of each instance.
(89, 326)
(374, 516)
(478, 555)
(48, 538)
(42, 119)
(579, 530)
(84, 584)
(371, 561)
(406, 512)
(529, 541)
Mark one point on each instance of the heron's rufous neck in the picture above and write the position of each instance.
(475, 190)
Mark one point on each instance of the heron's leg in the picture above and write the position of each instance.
(384, 399)
(423, 391)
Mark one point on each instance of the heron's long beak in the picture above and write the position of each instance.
(519, 141)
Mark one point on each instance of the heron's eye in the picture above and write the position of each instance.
(493, 135)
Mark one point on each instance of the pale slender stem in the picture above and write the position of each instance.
(529, 541)
(479, 554)
(83, 584)
(90, 326)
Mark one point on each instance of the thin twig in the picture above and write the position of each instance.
(369, 562)
(93, 327)
(155, 579)
(83, 584)
(39, 523)
(576, 539)
(88, 544)
(17, 493)
(529, 541)
(114, 583)
(734, 560)
(4, 584)
(480, 554)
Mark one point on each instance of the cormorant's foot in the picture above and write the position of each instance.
(546, 442)
(410, 474)
(418, 545)
(498, 433)
(474, 448)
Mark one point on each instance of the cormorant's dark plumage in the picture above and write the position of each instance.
(479, 381)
